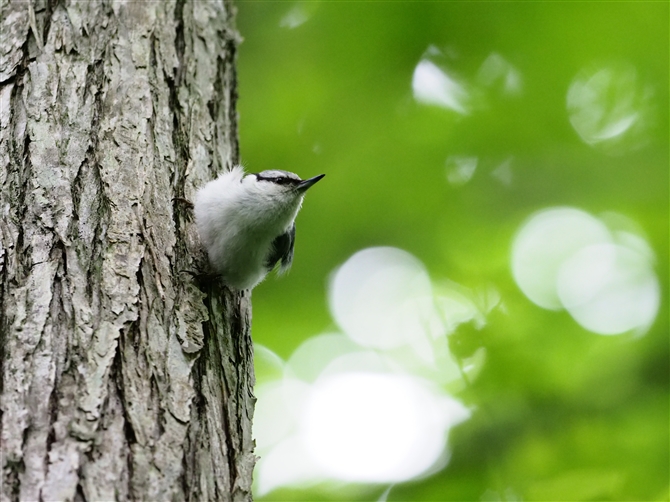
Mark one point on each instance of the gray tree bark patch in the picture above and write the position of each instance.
(125, 376)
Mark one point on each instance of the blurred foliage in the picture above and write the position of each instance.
(326, 87)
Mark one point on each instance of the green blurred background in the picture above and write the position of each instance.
(326, 87)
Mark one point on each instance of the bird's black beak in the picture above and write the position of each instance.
(305, 184)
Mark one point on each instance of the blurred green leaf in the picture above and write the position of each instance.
(559, 413)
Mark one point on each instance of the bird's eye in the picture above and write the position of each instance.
(278, 180)
(282, 180)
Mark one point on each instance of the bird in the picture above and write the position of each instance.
(246, 223)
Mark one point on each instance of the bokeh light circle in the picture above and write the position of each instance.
(609, 107)
(382, 298)
(542, 245)
(609, 289)
(566, 258)
(374, 427)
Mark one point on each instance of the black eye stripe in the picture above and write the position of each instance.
(285, 181)
(279, 180)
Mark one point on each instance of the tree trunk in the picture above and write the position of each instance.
(124, 377)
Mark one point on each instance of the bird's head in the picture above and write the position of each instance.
(279, 187)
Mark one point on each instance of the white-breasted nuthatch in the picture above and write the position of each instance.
(247, 223)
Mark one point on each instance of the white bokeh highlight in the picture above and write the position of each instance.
(609, 107)
(382, 298)
(544, 242)
(496, 71)
(375, 427)
(288, 463)
(432, 85)
(460, 168)
(370, 403)
(565, 258)
(609, 289)
(437, 82)
(297, 15)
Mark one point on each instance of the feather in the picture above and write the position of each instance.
(281, 250)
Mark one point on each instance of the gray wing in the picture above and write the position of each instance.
(282, 250)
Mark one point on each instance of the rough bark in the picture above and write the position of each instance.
(124, 377)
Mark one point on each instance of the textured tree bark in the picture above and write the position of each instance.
(124, 377)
